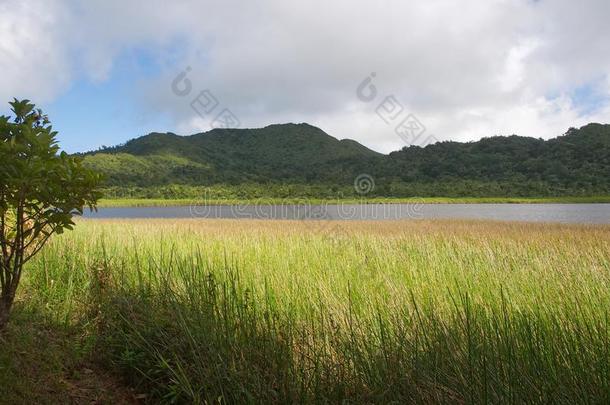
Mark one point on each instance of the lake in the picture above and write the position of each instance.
(560, 213)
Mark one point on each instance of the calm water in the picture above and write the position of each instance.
(565, 213)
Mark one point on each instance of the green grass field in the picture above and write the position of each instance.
(229, 311)
(163, 202)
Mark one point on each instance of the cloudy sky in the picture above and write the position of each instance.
(107, 71)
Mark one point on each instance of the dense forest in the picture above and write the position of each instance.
(302, 160)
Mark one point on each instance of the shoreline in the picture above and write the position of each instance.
(160, 202)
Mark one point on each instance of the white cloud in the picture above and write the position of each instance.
(33, 60)
(467, 69)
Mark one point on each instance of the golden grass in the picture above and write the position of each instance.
(372, 311)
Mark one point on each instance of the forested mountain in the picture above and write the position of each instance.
(577, 163)
(287, 153)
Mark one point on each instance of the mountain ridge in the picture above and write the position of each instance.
(577, 162)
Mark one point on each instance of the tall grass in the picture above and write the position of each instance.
(279, 311)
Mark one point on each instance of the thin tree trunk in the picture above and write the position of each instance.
(6, 302)
(11, 270)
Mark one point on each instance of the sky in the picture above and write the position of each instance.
(387, 73)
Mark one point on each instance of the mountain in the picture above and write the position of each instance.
(291, 152)
(577, 163)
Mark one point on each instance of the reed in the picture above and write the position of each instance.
(320, 311)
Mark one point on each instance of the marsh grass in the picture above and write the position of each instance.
(278, 311)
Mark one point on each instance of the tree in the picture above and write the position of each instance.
(41, 189)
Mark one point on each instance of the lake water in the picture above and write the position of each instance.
(562, 213)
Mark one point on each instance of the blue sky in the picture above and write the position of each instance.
(95, 113)
(103, 69)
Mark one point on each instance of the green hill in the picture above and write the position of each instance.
(576, 163)
(286, 153)
(303, 156)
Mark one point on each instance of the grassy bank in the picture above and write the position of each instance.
(162, 202)
(43, 361)
(279, 311)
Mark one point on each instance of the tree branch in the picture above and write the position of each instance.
(38, 247)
